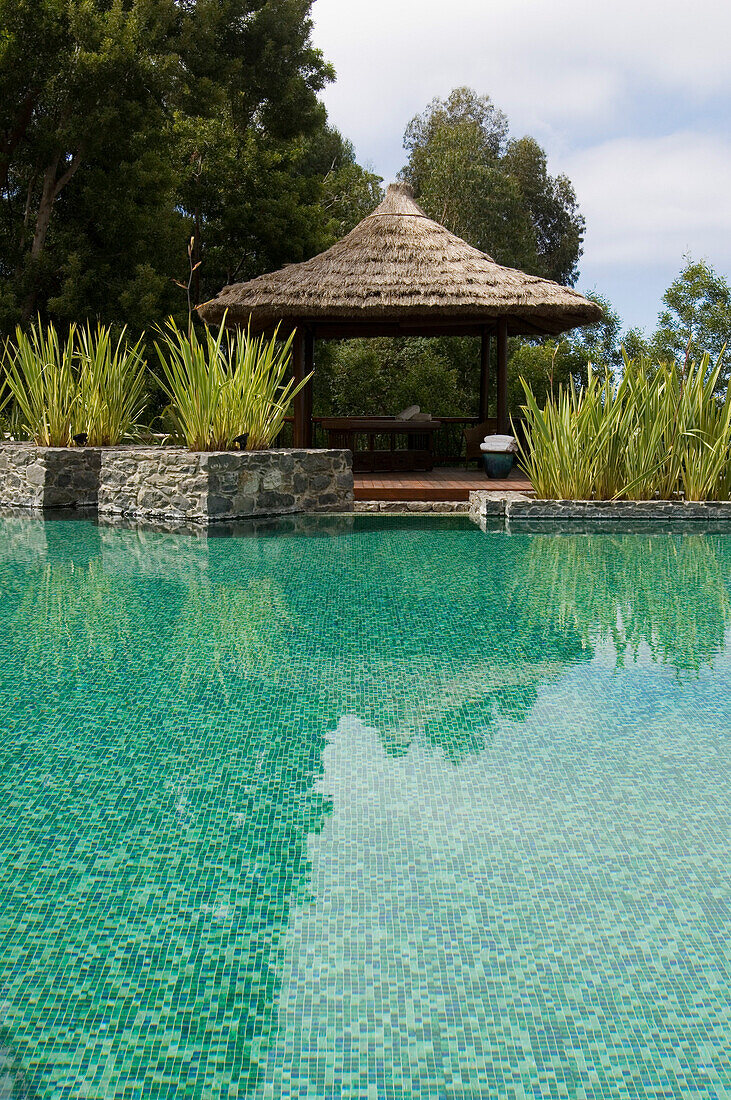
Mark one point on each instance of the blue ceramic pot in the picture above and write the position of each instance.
(498, 464)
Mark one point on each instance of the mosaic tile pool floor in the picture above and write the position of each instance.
(374, 808)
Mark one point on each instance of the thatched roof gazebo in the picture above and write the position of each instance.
(398, 273)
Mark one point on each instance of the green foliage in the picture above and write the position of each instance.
(86, 108)
(111, 380)
(43, 384)
(635, 345)
(257, 203)
(384, 375)
(84, 383)
(546, 364)
(128, 126)
(660, 431)
(695, 320)
(697, 315)
(349, 192)
(493, 191)
(226, 385)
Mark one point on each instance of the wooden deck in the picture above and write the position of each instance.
(442, 483)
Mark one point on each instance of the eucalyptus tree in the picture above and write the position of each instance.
(493, 190)
(695, 317)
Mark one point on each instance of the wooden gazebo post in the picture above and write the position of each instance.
(485, 373)
(503, 425)
(303, 362)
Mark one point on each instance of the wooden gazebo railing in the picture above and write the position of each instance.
(449, 444)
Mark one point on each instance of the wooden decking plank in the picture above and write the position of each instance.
(440, 484)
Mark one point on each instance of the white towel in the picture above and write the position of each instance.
(499, 444)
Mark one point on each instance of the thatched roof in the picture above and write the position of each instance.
(400, 267)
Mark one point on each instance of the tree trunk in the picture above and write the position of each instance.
(52, 188)
(45, 209)
(15, 136)
(26, 223)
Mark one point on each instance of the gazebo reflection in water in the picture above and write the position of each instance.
(398, 273)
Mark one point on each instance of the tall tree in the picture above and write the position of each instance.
(248, 100)
(493, 190)
(129, 126)
(696, 317)
(92, 104)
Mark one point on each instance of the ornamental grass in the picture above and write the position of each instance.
(84, 385)
(661, 432)
(226, 386)
(112, 379)
(42, 381)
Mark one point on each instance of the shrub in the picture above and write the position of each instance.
(86, 383)
(43, 384)
(661, 431)
(111, 386)
(226, 385)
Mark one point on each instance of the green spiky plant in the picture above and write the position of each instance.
(85, 383)
(111, 378)
(42, 382)
(263, 391)
(704, 435)
(225, 385)
(661, 431)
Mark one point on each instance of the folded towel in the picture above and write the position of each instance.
(499, 444)
(408, 413)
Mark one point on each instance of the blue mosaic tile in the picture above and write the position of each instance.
(367, 807)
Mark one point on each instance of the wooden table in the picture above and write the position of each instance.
(371, 456)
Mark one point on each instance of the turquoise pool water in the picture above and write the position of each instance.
(377, 808)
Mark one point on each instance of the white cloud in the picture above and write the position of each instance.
(629, 98)
(548, 63)
(647, 201)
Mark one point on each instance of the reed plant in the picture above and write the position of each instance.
(264, 393)
(661, 431)
(86, 383)
(111, 378)
(42, 382)
(226, 385)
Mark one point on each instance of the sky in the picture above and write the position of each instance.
(629, 98)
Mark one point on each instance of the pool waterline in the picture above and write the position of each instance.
(398, 808)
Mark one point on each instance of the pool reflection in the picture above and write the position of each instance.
(237, 872)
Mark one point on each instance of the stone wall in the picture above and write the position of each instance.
(48, 477)
(206, 487)
(429, 507)
(519, 508)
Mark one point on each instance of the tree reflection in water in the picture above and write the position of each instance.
(668, 593)
(167, 700)
(163, 785)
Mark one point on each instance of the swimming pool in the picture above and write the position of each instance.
(370, 807)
